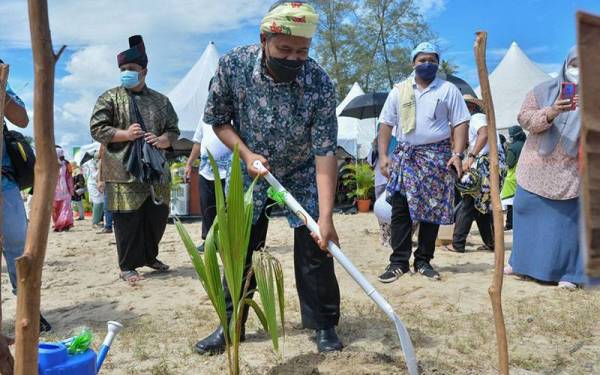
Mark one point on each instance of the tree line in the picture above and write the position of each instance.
(369, 41)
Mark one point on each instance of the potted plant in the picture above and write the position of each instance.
(362, 180)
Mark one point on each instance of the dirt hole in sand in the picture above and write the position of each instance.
(345, 362)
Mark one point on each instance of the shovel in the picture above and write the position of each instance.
(368, 288)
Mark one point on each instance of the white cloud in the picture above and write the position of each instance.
(431, 8)
(97, 31)
(77, 22)
(497, 52)
(550, 68)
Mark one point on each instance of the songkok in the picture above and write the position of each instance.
(135, 54)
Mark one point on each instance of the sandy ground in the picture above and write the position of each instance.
(551, 331)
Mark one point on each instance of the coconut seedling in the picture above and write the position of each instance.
(229, 237)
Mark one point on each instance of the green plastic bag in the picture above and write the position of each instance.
(80, 343)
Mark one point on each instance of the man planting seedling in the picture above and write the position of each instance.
(278, 106)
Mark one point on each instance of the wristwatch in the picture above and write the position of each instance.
(460, 155)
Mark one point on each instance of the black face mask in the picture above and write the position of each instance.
(284, 70)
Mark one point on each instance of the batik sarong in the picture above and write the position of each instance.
(420, 173)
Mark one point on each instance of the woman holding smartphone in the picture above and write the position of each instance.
(546, 204)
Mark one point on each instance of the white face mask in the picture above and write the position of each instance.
(572, 74)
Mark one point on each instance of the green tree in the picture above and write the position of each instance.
(368, 41)
(448, 68)
(334, 45)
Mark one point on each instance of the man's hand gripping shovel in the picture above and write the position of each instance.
(311, 224)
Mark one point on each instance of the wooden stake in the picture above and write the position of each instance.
(495, 289)
(3, 80)
(29, 266)
(588, 40)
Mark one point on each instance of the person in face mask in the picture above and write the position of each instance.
(546, 204)
(423, 169)
(278, 105)
(139, 223)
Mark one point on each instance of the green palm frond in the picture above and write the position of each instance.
(269, 281)
(259, 313)
(228, 240)
(207, 268)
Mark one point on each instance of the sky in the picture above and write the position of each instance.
(176, 33)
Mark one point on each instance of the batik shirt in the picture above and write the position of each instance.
(288, 123)
(111, 113)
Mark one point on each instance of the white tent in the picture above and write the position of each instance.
(354, 136)
(89, 149)
(190, 94)
(510, 82)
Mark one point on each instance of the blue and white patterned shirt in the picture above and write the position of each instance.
(287, 123)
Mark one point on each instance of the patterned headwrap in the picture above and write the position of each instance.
(135, 54)
(424, 47)
(295, 18)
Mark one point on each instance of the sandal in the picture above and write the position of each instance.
(451, 249)
(131, 277)
(159, 266)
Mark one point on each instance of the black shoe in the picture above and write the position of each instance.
(426, 270)
(44, 325)
(391, 274)
(215, 342)
(200, 248)
(328, 340)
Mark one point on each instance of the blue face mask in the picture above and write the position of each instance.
(426, 71)
(130, 78)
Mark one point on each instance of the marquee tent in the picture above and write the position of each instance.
(190, 94)
(510, 82)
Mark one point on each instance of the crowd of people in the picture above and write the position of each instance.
(433, 182)
(278, 106)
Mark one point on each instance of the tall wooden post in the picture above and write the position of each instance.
(588, 40)
(29, 266)
(3, 80)
(495, 289)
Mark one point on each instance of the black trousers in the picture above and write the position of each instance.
(402, 236)
(464, 219)
(208, 203)
(509, 217)
(316, 282)
(138, 233)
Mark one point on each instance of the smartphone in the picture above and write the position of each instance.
(568, 90)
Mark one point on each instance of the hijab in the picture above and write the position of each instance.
(566, 126)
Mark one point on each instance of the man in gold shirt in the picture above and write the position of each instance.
(121, 116)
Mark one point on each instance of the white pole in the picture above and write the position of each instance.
(369, 289)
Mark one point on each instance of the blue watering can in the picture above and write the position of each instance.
(54, 358)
